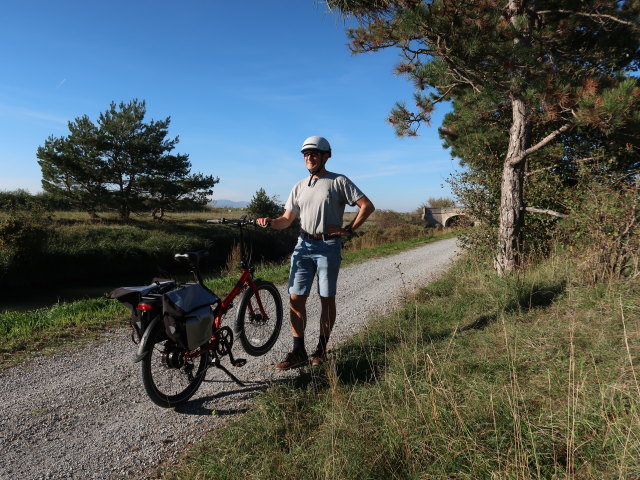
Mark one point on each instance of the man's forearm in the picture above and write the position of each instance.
(366, 209)
(280, 223)
(283, 221)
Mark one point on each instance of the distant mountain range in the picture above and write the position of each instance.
(228, 204)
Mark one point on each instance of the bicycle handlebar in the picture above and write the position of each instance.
(241, 222)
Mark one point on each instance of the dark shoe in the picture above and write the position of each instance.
(318, 358)
(292, 360)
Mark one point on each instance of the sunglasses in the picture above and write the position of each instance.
(310, 153)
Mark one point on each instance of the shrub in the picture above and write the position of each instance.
(601, 229)
(386, 219)
(440, 202)
(23, 236)
(480, 194)
(15, 199)
(379, 236)
(24, 231)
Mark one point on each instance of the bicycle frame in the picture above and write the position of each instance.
(245, 281)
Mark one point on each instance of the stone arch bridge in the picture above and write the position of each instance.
(444, 217)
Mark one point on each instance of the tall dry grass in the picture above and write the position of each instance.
(529, 376)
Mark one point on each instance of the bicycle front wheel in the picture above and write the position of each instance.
(258, 329)
(169, 378)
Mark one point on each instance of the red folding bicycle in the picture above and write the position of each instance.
(179, 327)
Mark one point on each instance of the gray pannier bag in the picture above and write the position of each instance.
(188, 315)
(132, 296)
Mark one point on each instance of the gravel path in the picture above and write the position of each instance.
(83, 414)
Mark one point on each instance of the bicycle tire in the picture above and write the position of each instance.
(257, 334)
(169, 381)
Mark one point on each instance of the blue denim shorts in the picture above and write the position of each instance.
(315, 257)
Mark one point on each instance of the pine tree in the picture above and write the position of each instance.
(261, 205)
(541, 73)
(122, 163)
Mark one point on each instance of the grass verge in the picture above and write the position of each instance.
(522, 377)
(24, 333)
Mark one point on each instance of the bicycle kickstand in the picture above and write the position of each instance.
(217, 364)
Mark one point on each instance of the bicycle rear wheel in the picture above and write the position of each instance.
(258, 332)
(168, 377)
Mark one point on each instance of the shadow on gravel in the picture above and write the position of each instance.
(196, 406)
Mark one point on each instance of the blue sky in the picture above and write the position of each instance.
(243, 82)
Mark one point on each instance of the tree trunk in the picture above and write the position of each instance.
(158, 213)
(125, 211)
(512, 191)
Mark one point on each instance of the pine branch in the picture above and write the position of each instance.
(367, 46)
(580, 160)
(545, 141)
(460, 75)
(594, 15)
(446, 93)
(441, 50)
(415, 53)
(545, 211)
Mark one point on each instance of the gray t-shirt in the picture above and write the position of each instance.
(322, 203)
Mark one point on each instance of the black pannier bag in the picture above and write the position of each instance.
(188, 315)
(132, 296)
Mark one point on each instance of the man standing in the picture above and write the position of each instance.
(319, 201)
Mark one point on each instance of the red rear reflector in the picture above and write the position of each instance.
(144, 307)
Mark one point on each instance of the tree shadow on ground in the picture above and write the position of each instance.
(538, 297)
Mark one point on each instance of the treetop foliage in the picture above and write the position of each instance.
(449, 48)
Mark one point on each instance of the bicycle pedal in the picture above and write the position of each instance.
(239, 362)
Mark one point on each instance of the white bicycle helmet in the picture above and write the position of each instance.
(316, 143)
